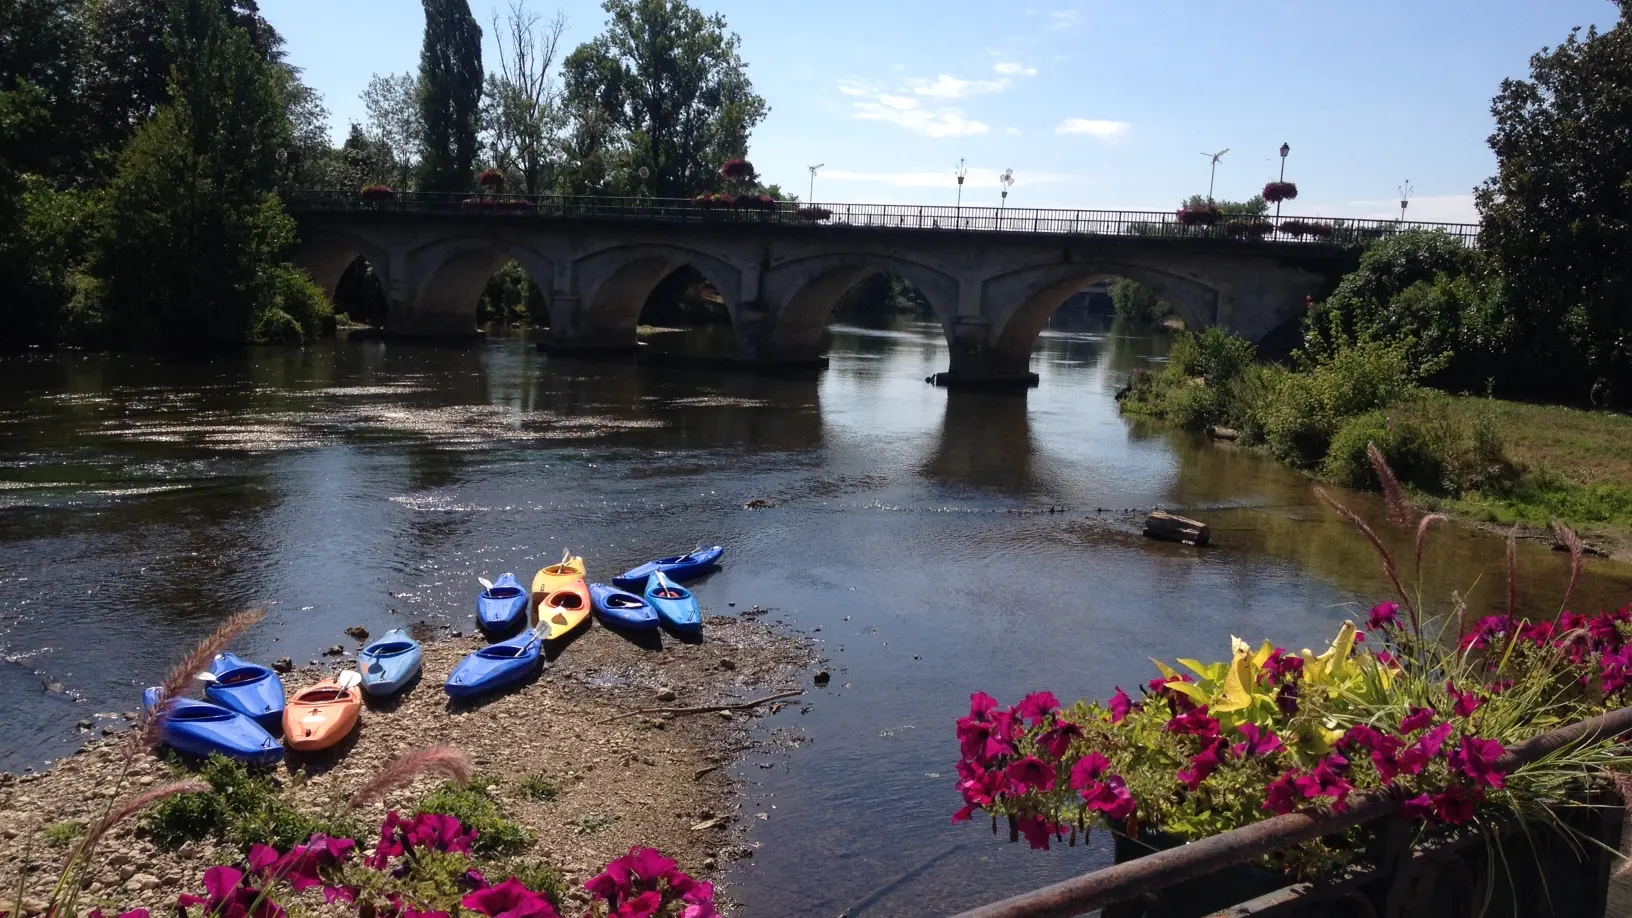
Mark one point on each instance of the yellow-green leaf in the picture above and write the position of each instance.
(1167, 671)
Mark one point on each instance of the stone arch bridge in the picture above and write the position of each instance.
(992, 277)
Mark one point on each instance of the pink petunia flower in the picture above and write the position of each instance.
(1454, 805)
(1037, 831)
(1260, 741)
(1056, 740)
(1120, 706)
(1384, 615)
(1085, 774)
(1325, 781)
(1112, 798)
(1465, 702)
(1034, 707)
(1477, 759)
(1201, 765)
(1418, 719)
(1031, 773)
(509, 899)
(1418, 807)
(1281, 796)
(1195, 723)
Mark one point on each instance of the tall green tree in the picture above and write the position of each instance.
(669, 84)
(521, 110)
(450, 95)
(193, 244)
(394, 124)
(1557, 216)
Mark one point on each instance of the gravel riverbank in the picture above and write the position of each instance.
(649, 778)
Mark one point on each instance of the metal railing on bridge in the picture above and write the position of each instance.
(1155, 224)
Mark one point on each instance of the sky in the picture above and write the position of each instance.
(1093, 104)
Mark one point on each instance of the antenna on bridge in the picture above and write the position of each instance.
(1216, 157)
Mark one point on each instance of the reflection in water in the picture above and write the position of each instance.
(371, 483)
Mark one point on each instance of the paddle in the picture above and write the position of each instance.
(486, 583)
(207, 677)
(351, 678)
(665, 589)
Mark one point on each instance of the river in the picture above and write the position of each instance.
(142, 499)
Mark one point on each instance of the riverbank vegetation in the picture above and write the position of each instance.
(146, 147)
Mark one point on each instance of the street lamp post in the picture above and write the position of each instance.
(962, 174)
(812, 198)
(1405, 198)
(1214, 174)
(1285, 149)
(1006, 179)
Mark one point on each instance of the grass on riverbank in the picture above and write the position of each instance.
(1570, 465)
(1489, 460)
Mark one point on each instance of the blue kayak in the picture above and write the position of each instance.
(496, 666)
(248, 688)
(389, 663)
(679, 568)
(622, 609)
(201, 729)
(675, 605)
(502, 608)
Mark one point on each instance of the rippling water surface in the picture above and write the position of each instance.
(141, 500)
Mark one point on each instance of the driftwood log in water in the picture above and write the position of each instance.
(1171, 528)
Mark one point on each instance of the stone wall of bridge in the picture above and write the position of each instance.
(992, 292)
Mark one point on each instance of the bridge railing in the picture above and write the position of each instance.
(1161, 224)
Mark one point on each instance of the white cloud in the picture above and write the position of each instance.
(977, 178)
(1062, 19)
(1104, 130)
(951, 87)
(1012, 131)
(1009, 68)
(906, 111)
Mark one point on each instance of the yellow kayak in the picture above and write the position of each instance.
(561, 597)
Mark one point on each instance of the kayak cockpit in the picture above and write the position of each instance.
(243, 675)
(199, 712)
(671, 593)
(392, 649)
(322, 696)
(565, 599)
(501, 593)
(501, 652)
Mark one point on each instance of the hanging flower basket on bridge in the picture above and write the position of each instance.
(1200, 216)
(1276, 192)
(738, 170)
(813, 214)
(1247, 229)
(1300, 228)
(376, 194)
(492, 179)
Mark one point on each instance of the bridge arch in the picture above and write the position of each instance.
(452, 275)
(614, 284)
(805, 292)
(326, 255)
(1021, 302)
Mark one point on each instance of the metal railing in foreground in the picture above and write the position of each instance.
(1135, 879)
(1157, 224)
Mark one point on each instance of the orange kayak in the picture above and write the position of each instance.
(562, 596)
(320, 716)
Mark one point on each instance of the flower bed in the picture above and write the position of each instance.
(1410, 704)
(813, 214)
(376, 194)
(492, 178)
(1247, 229)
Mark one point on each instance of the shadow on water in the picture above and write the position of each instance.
(372, 482)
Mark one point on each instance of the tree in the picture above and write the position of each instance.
(192, 244)
(673, 91)
(1254, 206)
(450, 95)
(1137, 302)
(522, 110)
(1557, 216)
(395, 124)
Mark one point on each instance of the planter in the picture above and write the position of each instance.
(377, 194)
(1200, 216)
(492, 180)
(1192, 898)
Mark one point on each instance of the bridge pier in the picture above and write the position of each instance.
(977, 364)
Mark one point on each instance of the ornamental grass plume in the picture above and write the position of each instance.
(445, 761)
(1578, 556)
(145, 738)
